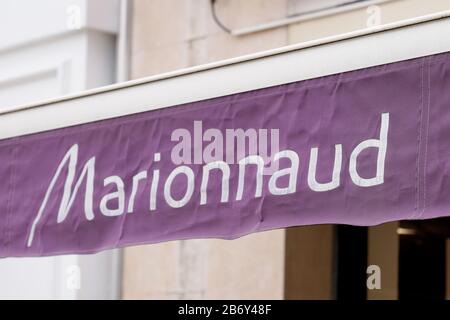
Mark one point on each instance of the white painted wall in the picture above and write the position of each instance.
(28, 21)
(42, 56)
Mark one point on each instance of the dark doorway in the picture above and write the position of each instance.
(422, 259)
(351, 262)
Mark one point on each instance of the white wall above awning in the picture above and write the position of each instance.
(25, 21)
(388, 43)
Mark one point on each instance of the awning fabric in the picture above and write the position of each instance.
(361, 148)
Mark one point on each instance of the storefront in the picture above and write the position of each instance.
(169, 157)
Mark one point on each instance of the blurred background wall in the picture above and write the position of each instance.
(50, 48)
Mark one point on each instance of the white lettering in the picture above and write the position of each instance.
(336, 176)
(119, 195)
(259, 161)
(225, 180)
(381, 145)
(189, 187)
(292, 171)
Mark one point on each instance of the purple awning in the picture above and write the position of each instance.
(361, 148)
